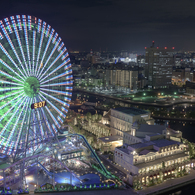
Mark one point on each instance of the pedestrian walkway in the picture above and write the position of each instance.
(169, 184)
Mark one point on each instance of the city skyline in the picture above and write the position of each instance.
(113, 25)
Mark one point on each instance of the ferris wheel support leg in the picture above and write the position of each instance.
(60, 145)
(26, 146)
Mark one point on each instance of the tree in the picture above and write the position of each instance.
(161, 176)
(78, 116)
(96, 116)
(99, 117)
(88, 115)
(163, 164)
(93, 118)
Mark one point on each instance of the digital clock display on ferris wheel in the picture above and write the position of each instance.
(38, 105)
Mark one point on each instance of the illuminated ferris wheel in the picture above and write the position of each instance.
(35, 84)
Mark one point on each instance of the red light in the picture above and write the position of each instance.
(152, 41)
(145, 47)
(165, 47)
(173, 47)
(157, 47)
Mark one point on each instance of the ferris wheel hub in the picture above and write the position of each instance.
(31, 86)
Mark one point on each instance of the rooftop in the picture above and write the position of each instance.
(159, 143)
(141, 145)
(155, 134)
(131, 111)
(164, 142)
(125, 150)
(151, 128)
(112, 138)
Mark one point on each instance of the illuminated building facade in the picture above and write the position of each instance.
(155, 159)
(158, 66)
(122, 119)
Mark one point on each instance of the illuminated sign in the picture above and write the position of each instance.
(38, 105)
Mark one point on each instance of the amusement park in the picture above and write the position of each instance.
(37, 151)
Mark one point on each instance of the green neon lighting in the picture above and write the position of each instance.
(31, 86)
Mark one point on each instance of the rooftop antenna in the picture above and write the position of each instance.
(152, 44)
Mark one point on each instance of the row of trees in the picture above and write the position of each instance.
(95, 118)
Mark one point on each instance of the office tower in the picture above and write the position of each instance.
(158, 66)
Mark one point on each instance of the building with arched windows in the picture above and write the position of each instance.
(155, 158)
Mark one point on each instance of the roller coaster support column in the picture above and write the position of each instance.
(4, 180)
(71, 178)
(37, 172)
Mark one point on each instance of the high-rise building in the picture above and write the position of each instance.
(158, 66)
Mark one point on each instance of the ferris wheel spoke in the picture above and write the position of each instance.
(14, 127)
(52, 52)
(51, 115)
(46, 121)
(11, 83)
(59, 76)
(58, 92)
(11, 44)
(34, 38)
(46, 48)
(38, 30)
(28, 122)
(35, 132)
(55, 60)
(9, 76)
(13, 115)
(22, 124)
(40, 46)
(7, 96)
(19, 42)
(10, 89)
(18, 39)
(10, 58)
(60, 66)
(60, 84)
(40, 125)
(26, 39)
(54, 107)
(7, 66)
(56, 99)
(15, 105)
(11, 101)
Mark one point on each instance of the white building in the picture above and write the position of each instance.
(122, 119)
(155, 156)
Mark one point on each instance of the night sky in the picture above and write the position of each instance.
(113, 24)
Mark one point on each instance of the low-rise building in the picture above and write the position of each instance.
(122, 119)
(151, 159)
